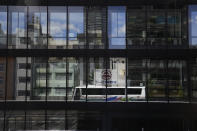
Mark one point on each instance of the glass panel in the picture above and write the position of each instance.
(80, 120)
(2, 77)
(20, 78)
(57, 27)
(136, 27)
(136, 79)
(174, 27)
(15, 120)
(193, 25)
(156, 79)
(96, 80)
(38, 78)
(117, 27)
(97, 27)
(11, 67)
(17, 30)
(116, 78)
(35, 120)
(56, 120)
(37, 27)
(177, 78)
(1, 120)
(76, 79)
(3, 27)
(76, 27)
(29, 78)
(56, 79)
(156, 27)
(193, 77)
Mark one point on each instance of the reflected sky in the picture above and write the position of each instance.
(116, 27)
(57, 22)
(193, 24)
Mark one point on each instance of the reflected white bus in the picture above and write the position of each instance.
(98, 93)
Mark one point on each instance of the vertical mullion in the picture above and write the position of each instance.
(26, 67)
(126, 61)
(6, 70)
(87, 47)
(106, 47)
(86, 69)
(46, 88)
(146, 75)
(167, 81)
(189, 67)
(67, 26)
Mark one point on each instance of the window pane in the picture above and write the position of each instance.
(38, 78)
(57, 27)
(15, 120)
(174, 27)
(17, 27)
(136, 27)
(117, 27)
(156, 27)
(56, 79)
(177, 78)
(3, 78)
(136, 79)
(20, 79)
(35, 120)
(56, 119)
(116, 79)
(76, 27)
(3, 27)
(37, 27)
(156, 79)
(97, 27)
(96, 80)
(76, 79)
(10, 78)
(192, 25)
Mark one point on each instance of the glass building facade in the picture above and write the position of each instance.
(98, 66)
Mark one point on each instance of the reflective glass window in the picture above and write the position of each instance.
(96, 90)
(117, 27)
(156, 27)
(76, 27)
(193, 25)
(57, 27)
(96, 27)
(17, 27)
(76, 79)
(136, 27)
(174, 27)
(10, 78)
(177, 79)
(3, 77)
(193, 77)
(136, 79)
(35, 120)
(116, 79)
(38, 78)
(15, 120)
(56, 78)
(20, 79)
(55, 119)
(37, 27)
(3, 27)
(156, 79)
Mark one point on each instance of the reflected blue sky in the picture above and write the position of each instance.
(76, 21)
(117, 27)
(193, 24)
(58, 22)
